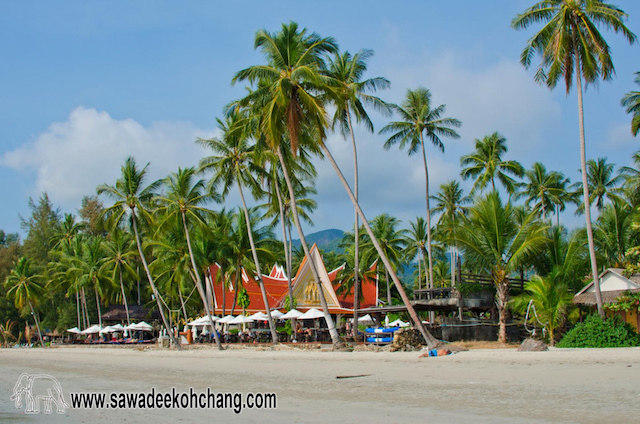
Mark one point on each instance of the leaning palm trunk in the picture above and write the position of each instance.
(254, 253)
(184, 307)
(153, 286)
(585, 193)
(98, 307)
(198, 282)
(431, 341)
(35, 318)
(78, 308)
(426, 175)
(287, 257)
(85, 310)
(356, 258)
(335, 339)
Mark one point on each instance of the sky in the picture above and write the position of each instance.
(84, 84)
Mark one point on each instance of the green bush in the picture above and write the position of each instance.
(596, 332)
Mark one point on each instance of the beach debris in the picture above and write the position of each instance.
(352, 376)
(532, 345)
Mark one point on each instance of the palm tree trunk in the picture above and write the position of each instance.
(585, 192)
(184, 308)
(224, 293)
(78, 308)
(287, 257)
(152, 284)
(98, 305)
(254, 253)
(426, 175)
(235, 287)
(124, 297)
(198, 281)
(356, 258)
(35, 318)
(431, 341)
(419, 269)
(335, 339)
(85, 310)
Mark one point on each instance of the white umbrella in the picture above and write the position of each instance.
(312, 313)
(241, 319)
(131, 327)
(92, 330)
(143, 326)
(259, 316)
(398, 323)
(204, 320)
(226, 320)
(294, 313)
(276, 314)
(74, 330)
(366, 319)
(107, 329)
(117, 328)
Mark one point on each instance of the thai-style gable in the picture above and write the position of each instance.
(612, 284)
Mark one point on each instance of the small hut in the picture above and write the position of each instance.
(613, 284)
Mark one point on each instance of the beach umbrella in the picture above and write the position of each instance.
(107, 329)
(276, 314)
(143, 326)
(74, 330)
(292, 314)
(131, 327)
(118, 328)
(226, 320)
(92, 330)
(365, 319)
(204, 320)
(312, 313)
(241, 319)
(259, 316)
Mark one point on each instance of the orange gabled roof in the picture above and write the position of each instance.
(276, 289)
(368, 290)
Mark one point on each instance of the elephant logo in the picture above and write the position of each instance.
(37, 388)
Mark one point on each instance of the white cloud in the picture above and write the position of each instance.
(71, 158)
(619, 137)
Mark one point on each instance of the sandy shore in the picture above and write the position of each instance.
(497, 386)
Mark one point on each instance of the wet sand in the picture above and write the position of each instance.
(483, 385)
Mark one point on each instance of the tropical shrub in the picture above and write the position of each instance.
(598, 332)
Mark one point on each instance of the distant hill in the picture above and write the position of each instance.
(327, 240)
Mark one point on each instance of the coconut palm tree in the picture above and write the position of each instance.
(614, 234)
(570, 43)
(120, 254)
(541, 188)
(551, 299)
(417, 245)
(486, 165)
(603, 184)
(631, 183)
(350, 91)
(494, 237)
(420, 118)
(131, 203)
(234, 163)
(289, 105)
(631, 101)
(184, 199)
(6, 332)
(25, 288)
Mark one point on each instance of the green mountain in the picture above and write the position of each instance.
(327, 240)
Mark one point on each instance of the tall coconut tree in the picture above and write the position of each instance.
(631, 101)
(184, 199)
(120, 254)
(541, 189)
(289, 104)
(235, 162)
(419, 117)
(131, 204)
(25, 288)
(486, 165)
(497, 239)
(603, 182)
(571, 46)
(350, 95)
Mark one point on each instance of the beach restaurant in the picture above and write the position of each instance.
(305, 290)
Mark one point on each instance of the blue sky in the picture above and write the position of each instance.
(85, 84)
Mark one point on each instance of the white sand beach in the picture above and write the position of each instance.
(484, 385)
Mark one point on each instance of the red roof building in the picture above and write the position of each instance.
(305, 291)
